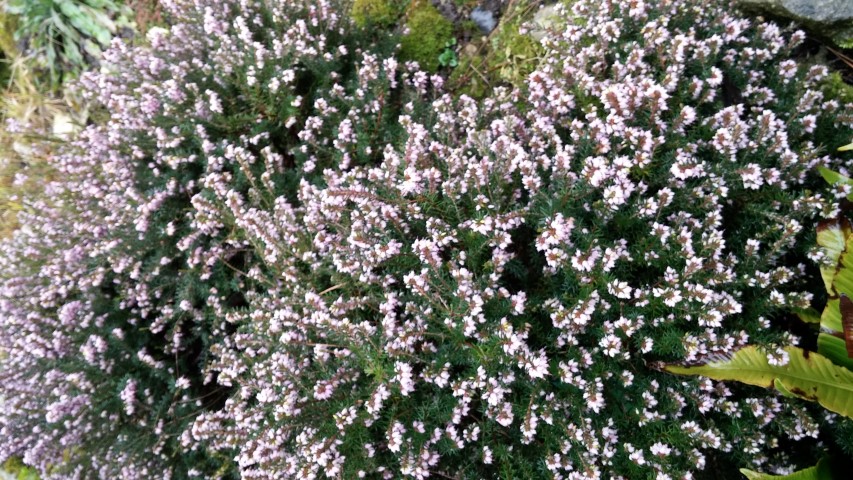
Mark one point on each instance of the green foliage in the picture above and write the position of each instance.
(63, 37)
(21, 472)
(448, 57)
(377, 12)
(470, 77)
(260, 271)
(429, 33)
(5, 74)
(825, 376)
(835, 87)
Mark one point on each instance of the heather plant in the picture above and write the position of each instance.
(288, 255)
(120, 280)
(823, 376)
(485, 301)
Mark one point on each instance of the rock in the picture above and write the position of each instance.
(830, 19)
(545, 18)
(485, 19)
(449, 10)
(484, 14)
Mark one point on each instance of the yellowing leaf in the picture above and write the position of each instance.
(821, 471)
(808, 315)
(830, 319)
(832, 237)
(846, 307)
(807, 375)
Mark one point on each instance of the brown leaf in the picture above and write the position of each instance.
(847, 322)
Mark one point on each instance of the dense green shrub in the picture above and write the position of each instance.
(286, 255)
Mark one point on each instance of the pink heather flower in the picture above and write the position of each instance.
(403, 376)
(128, 397)
(395, 437)
(487, 455)
(505, 415)
(517, 302)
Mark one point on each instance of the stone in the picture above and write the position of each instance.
(829, 19)
(485, 19)
(544, 19)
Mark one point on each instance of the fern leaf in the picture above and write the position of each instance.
(821, 471)
(807, 375)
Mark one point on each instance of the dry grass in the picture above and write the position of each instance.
(24, 157)
(24, 168)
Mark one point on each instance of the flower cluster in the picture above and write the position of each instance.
(288, 255)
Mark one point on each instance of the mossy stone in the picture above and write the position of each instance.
(428, 35)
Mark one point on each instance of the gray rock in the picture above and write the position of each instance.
(831, 19)
(545, 18)
(485, 19)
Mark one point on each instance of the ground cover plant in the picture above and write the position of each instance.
(286, 254)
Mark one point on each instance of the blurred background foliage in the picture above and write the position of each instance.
(44, 46)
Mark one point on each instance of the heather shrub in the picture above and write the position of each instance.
(287, 255)
(122, 276)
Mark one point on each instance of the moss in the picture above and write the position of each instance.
(375, 12)
(509, 56)
(4, 71)
(469, 78)
(21, 472)
(834, 87)
(514, 54)
(470, 29)
(429, 32)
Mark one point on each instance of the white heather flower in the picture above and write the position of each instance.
(619, 289)
(809, 123)
(787, 70)
(778, 357)
(752, 177)
(660, 449)
(611, 345)
(214, 104)
(537, 366)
